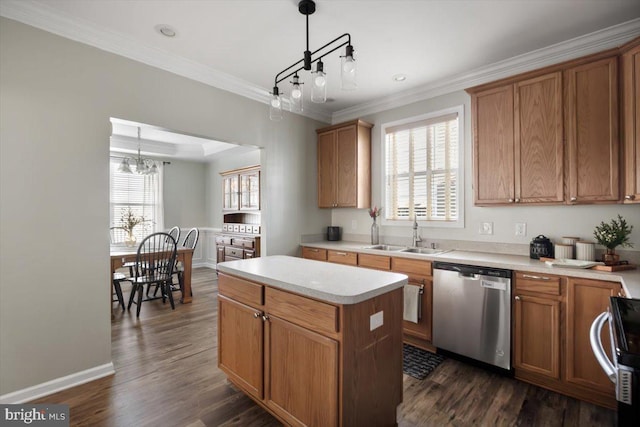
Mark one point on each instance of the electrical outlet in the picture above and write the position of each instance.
(521, 229)
(486, 228)
(354, 224)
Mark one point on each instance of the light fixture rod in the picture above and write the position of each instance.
(278, 79)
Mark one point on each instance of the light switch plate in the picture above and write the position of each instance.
(376, 320)
(521, 229)
(486, 228)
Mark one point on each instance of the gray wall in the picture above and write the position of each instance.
(184, 188)
(552, 221)
(56, 98)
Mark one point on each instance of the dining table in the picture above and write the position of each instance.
(123, 254)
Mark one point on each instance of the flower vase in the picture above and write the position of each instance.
(375, 233)
(611, 257)
(130, 240)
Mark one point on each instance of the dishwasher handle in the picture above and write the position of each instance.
(468, 276)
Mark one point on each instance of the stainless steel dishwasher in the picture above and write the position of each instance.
(472, 312)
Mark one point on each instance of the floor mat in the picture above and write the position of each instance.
(419, 363)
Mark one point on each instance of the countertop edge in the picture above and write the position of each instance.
(629, 279)
(395, 283)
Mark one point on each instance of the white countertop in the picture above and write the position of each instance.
(630, 279)
(340, 284)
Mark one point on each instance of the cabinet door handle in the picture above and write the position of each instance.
(517, 298)
(265, 317)
(510, 200)
(573, 199)
(313, 250)
(630, 197)
(341, 253)
(529, 276)
(517, 200)
(256, 314)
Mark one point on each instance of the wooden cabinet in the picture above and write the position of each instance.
(314, 253)
(536, 334)
(344, 165)
(551, 136)
(232, 247)
(420, 275)
(586, 299)
(518, 145)
(241, 189)
(342, 257)
(630, 63)
(552, 319)
(591, 126)
(310, 362)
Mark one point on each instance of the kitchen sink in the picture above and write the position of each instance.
(386, 248)
(427, 251)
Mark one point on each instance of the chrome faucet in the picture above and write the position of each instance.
(416, 239)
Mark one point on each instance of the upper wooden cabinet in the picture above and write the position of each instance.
(241, 189)
(631, 120)
(518, 150)
(591, 125)
(344, 165)
(550, 136)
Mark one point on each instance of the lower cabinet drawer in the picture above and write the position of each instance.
(411, 267)
(240, 289)
(314, 253)
(342, 257)
(234, 252)
(538, 283)
(379, 262)
(305, 312)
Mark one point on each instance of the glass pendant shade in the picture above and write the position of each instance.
(275, 108)
(348, 73)
(295, 100)
(319, 86)
(124, 166)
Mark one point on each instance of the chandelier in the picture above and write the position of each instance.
(143, 166)
(319, 81)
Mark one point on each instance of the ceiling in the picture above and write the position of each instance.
(240, 45)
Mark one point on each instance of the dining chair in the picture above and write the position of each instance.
(175, 233)
(155, 262)
(117, 236)
(190, 241)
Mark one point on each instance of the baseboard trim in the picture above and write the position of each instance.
(40, 390)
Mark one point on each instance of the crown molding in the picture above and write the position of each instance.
(597, 41)
(46, 18)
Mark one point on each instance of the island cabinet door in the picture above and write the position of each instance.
(301, 374)
(240, 345)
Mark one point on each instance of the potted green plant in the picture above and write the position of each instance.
(615, 233)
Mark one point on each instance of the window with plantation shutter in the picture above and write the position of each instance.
(141, 193)
(423, 176)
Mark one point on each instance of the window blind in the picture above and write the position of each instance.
(140, 193)
(422, 170)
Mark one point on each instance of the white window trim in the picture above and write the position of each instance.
(461, 144)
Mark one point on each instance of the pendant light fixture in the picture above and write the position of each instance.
(143, 166)
(319, 77)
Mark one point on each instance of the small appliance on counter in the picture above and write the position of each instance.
(334, 234)
(540, 247)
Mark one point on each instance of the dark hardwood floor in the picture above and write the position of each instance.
(166, 375)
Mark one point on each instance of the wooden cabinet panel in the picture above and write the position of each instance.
(417, 267)
(493, 142)
(241, 290)
(241, 189)
(591, 125)
(302, 311)
(586, 299)
(379, 262)
(536, 338)
(539, 144)
(250, 191)
(230, 192)
(240, 344)
(342, 257)
(344, 165)
(538, 283)
(631, 121)
(314, 253)
(326, 170)
(302, 375)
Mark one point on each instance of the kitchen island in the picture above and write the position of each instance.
(313, 343)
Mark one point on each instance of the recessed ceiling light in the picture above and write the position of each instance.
(399, 77)
(165, 30)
